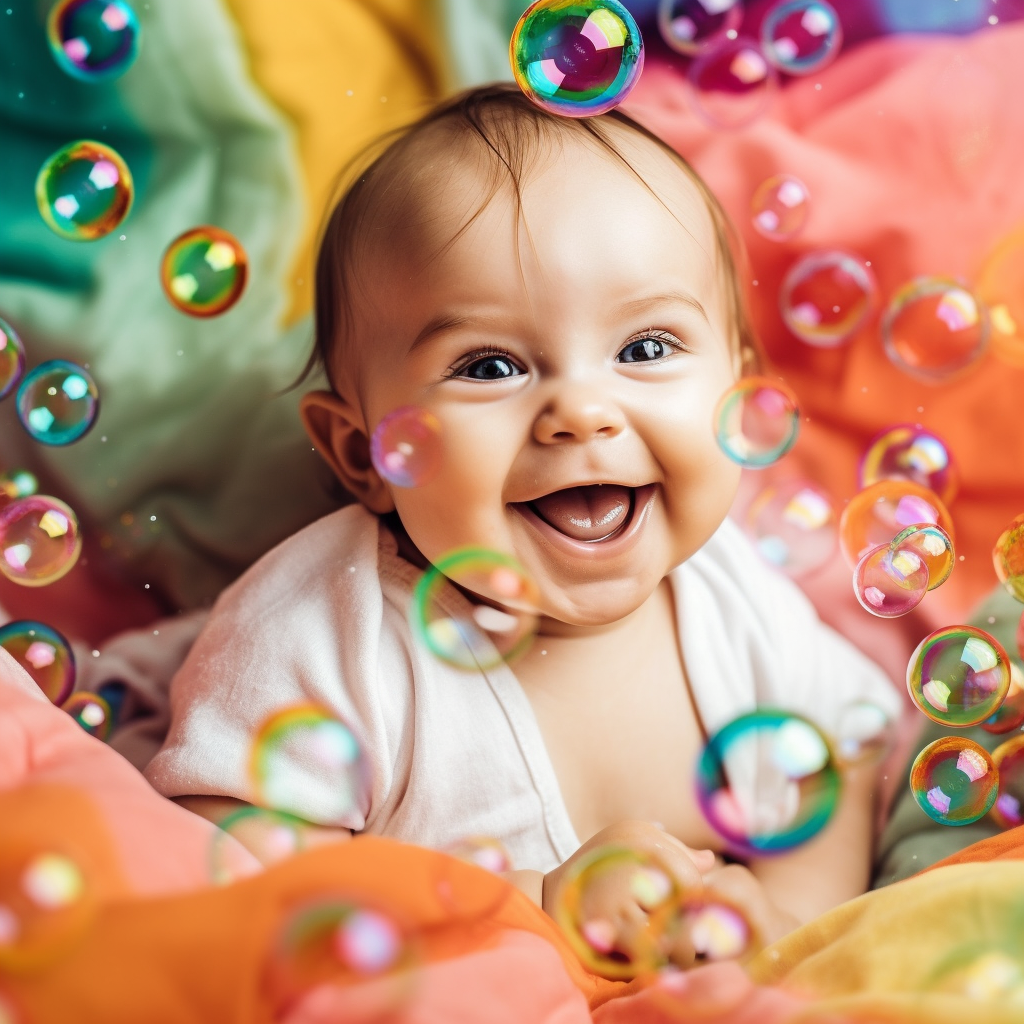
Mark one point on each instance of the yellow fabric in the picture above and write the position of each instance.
(308, 57)
(944, 946)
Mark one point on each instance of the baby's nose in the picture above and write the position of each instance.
(578, 412)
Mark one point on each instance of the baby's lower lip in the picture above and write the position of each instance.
(615, 544)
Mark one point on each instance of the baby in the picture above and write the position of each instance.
(561, 296)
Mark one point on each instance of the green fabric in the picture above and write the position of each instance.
(194, 467)
(478, 33)
(911, 841)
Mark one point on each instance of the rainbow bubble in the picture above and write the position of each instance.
(954, 781)
(958, 676)
(406, 446)
(44, 654)
(84, 190)
(46, 906)
(91, 712)
(39, 540)
(909, 452)
(1008, 559)
(864, 734)
(757, 421)
(880, 512)
(303, 754)
(934, 328)
(481, 636)
(780, 206)
(793, 525)
(767, 782)
(731, 83)
(576, 58)
(719, 929)
(270, 836)
(93, 40)
(802, 36)
(827, 296)
(1010, 714)
(1008, 808)
(929, 543)
(58, 402)
(690, 26)
(12, 358)
(340, 941)
(203, 271)
(588, 910)
(890, 583)
(17, 483)
(483, 851)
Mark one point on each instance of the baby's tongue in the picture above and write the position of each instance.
(586, 513)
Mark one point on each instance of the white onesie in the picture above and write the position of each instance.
(322, 619)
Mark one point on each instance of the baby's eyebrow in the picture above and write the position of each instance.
(634, 307)
(445, 322)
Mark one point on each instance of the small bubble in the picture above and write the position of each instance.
(543, 652)
(731, 34)
(103, 438)
(156, 632)
(95, 654)
(21, 95)
(180, 352)
(817, 85)
(961, 558)
(147, 586)
(993, 20)
(349, 93)
(123, 237)
(351, 568)
(754, 283)
(152, 519)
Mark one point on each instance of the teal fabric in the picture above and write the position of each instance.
(477, 33)
(194, 467)
(911, 840)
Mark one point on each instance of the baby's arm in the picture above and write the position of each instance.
(251, 835)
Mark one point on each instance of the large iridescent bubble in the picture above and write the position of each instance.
(204, 271)
(44, 654)
(801, 37)
(690, 26)
(1008, 558)
(576, 58)
(827, 296)
(93, 40)
(84, 190)
(757, 421)
(907, 451)
(954, 780)
(731, 83)
(39, 540)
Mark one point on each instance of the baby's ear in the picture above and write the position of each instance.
(338, 434)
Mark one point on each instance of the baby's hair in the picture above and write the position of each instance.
(510, 126)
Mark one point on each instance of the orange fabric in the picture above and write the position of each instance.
(1007, 845)
(912, 155)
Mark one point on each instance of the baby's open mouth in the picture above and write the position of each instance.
(591, 512)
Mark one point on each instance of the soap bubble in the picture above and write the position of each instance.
(934, 328)
(766, 782)
(932, 545)
(93, 39)
(12, 358)
(864, 734)
(576, 58)
(718, 928)
(58, 402)
(17, 483)
(878, 513)
(335, 942)
(587, 909)
(483, 851)
(909, 452)
(890, 583)
(958, 676)
(270, 836)
(793, 525)
(305, 755)
(1020, 637)
(1010, 714)
(780, 207)
(731, 83)
(1008, 558)
(39, 540)
(406, 446)
(91, 712)
(802, 36)
(954, 781)
(203, 271)
(478, 637)
(84, 190)
(827, 296)
(44, 654)
(757, 421)
(999, 287)
(1008, 758)
(689, 26)
(46, 906)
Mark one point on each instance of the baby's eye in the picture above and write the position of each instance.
(493, 366)
(647, 349)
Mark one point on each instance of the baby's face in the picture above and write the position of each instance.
(594, 354)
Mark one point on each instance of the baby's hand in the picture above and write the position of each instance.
(612, 900)
(739, 887)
